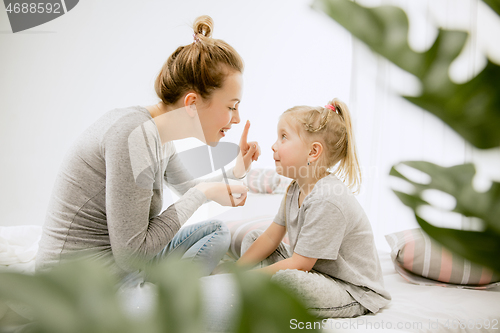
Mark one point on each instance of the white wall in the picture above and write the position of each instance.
(58, 78)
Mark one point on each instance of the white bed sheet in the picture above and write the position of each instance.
(18, 247)
(416, 308)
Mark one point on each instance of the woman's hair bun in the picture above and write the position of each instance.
(203, 25)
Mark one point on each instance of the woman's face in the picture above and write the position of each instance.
(221, 112)
(290, 152)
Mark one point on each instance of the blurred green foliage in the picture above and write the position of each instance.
(472, 109)
(81, 297)
(481, 247)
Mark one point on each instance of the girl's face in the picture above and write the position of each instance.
(218, 114)
(290, 152)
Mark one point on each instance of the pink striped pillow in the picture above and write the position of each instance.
(240, 228)
(422, 260)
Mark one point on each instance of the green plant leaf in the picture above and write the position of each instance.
(457, 182)
(77, 297)
(479, 247)
(494, 4)
(385, 30)
(261, 297)
(45, 300)
(179, 297)
(472, 109)
(484, 247)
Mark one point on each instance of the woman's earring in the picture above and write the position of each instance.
(307, 162)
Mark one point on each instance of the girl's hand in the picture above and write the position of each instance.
(249, 152)
(222, 193)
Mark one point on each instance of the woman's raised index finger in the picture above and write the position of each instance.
(244, 136)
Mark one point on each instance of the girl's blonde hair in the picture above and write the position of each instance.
(333, 128)
(201, 66)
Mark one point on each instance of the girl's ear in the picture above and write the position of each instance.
(315, 151)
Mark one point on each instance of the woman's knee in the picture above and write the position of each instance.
(222, 232)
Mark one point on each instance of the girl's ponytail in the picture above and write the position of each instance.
(348, 169)
(332, 126)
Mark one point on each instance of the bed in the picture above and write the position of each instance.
(414, 308)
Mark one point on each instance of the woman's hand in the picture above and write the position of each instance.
(249, 152)
(222, 193)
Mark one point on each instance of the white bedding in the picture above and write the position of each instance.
(18, 247)
(414, 308)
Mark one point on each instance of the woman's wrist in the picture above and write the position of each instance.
(238, 174)
(203, 188)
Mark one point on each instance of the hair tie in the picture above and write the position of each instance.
(331, 107)
(196, 39)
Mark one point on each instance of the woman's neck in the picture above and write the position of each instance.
(167, 119)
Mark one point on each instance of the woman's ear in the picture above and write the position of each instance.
(190, 104)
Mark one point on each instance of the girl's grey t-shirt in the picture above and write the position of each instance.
(107, 199)
(332, 227)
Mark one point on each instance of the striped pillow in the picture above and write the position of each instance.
(240, 228)
(422, 260)
(266, 181)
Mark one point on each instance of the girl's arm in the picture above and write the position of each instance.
(295, 262)
(263, 246)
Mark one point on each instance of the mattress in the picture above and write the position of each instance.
(417, 308)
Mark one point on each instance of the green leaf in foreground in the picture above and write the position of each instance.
(472, 109)
(479, 247)
(482, 247)
(255, 288)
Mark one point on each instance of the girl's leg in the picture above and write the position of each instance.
(204, 243)
(322, 294)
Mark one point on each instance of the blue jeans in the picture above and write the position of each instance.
(203, 243)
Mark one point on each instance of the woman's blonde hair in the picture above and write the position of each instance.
(200, 66)
(333, 128)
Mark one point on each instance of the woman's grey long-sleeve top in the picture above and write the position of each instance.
(107, 199)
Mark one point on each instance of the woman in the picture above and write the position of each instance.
(107, 200)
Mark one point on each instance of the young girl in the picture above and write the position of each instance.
(331, 263)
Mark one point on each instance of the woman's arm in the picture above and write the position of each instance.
(263, 246)
(136, 232)
(178, 178)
